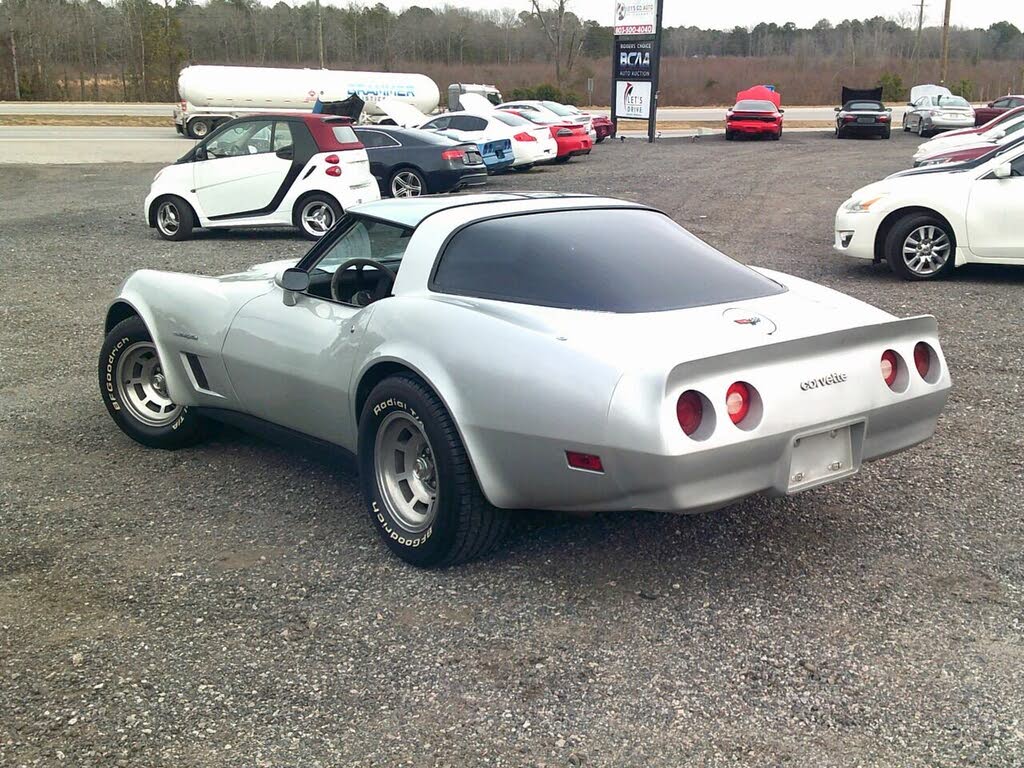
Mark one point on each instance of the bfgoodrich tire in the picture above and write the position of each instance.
(134, 390)
(422, 493)
(920, 247)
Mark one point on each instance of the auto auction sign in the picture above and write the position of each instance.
(633, 99)
(635, 17)
(633, 59)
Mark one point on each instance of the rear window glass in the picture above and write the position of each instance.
(558, 109)
(605, 260)
(864, 106)
(751, 105)
(509, 119)
(344, 134)
(952, 101)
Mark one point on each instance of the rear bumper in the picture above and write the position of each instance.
(948, 123)
(574, 145)
(753, 127)
(455, 179)
(866, 128)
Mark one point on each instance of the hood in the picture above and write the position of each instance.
(474, 102)
(868, 94)
(404, 115)
(761, 93)
(928, 90)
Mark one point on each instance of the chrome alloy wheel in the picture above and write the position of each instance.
(406, 184)
(317, 217)
(142, 386)
(168, 218)
(926, 250)
(406, 471)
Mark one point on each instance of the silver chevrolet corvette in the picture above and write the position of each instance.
(495, 352)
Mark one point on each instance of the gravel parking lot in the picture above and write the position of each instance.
(230, 605)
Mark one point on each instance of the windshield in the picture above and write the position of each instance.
(865, 106)
(604, 260)
(537, 119)
(509, 119)
(951, 101)
(751, 105)
(558, 109)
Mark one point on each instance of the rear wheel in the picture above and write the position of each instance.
(423, 496)
(887, 133)
(173, 218)
(405, 182)
(134, 390)
(199, 128)
(920, 247)
(315, 215)
(729, 135)
(839, 132)
(906, 125)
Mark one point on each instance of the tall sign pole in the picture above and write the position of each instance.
(945, 44)
(635, 62)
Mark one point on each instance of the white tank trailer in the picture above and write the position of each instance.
(212, 94)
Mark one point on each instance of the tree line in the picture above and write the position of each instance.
(132, 50)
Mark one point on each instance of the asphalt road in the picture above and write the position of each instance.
(230, 605)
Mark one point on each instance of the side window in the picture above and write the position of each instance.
(438, 124)
(1001, 103)
(1016, 103)
(283, 136)
(1017, 166)
(249, 137)
(468, 123)
(376, 140)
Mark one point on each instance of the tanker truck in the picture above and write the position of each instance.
(211, 94)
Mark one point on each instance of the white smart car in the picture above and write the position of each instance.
(264, 171)
(925, 223)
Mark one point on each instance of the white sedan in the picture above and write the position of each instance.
(925, 224)
(531, 144)
(267, 170)
(552, 109)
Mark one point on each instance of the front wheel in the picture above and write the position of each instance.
(920, 128)
(563, 159)
(920, 247)
(174, 218)
(134, 390)
(316, 214)
(600, 138)
(522, 168)
(422, 493)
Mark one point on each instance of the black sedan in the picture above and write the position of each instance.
(409, 163)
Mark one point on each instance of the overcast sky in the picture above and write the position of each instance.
(747, 13)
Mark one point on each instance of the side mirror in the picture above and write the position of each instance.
(782, 111)
(292, 281)
(998, 135)
(1003, 171)
(838, 109)
(200, 153)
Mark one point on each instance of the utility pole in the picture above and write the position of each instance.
(320, 33)
(14, 51)
(945, 43)
(917, 40)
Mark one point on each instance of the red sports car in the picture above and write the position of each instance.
(996, 108)
(572, 138)
(756, 113)
(602, 127)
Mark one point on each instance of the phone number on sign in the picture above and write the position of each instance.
(642, 29)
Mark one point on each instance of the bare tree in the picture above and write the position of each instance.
(14, 51)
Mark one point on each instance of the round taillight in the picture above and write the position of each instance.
(332, 159)
(922, 358)
(890, 367)
(333, 170)
(689, 411)
(737, 402)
